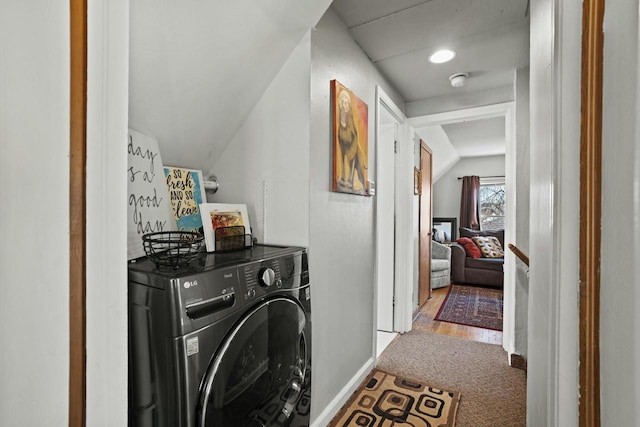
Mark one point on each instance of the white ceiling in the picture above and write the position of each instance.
(477, 137)
(491, 38)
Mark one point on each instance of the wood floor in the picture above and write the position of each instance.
(423, 320)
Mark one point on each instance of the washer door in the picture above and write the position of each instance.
(260, 374)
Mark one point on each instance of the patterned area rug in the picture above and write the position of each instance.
(472, 306)
(385, 400)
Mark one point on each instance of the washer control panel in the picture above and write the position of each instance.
(270, 275)
(267, 277)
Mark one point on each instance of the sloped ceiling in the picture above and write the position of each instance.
(197, 68)
(446, 155)
(477, 138)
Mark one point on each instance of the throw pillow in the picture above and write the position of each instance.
(467, 232)
(489, 246)
(469, 247)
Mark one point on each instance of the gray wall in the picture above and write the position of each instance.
(342, 237)
(446, 191)
(286, 144)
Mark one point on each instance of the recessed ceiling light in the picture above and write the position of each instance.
(441, 56)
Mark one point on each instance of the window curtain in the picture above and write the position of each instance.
(469, 203)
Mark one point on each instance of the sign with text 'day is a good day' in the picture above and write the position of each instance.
(149, 206)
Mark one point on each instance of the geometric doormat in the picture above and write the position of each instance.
(472, 306)
(385, 400)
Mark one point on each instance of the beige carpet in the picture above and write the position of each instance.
(493, 393)
(386, 400)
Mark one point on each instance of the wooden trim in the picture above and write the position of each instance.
(590, 211)
(425, 236)
(517, 252)
(77, 213)
(518, 361)
(426, 147)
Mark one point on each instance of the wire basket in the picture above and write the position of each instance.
(172, 248)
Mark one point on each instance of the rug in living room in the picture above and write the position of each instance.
(386, 400)
(472, 306)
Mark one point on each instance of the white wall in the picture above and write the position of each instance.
(342, 239)
(620, 274)
(268, 159)
(34, 249)
(199, 68)
(446, 191)
(522, 183)
(552, 346)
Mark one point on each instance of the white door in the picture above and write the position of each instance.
(385, 199)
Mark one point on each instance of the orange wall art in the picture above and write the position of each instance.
(350, 141)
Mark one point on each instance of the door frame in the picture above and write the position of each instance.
(77, 212)
(399, 322)
(107, 107)
(384, 272)
(506, 110)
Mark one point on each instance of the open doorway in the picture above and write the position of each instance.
(385, 267)
(389, 120)
(425, 223)
(504, 112)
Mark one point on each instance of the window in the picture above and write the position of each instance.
(492, 206)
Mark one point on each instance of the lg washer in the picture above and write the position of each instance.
(223, 342)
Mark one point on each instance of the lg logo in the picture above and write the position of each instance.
(188, 284)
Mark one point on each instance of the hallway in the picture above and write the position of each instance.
(424, 321)
(493, 393)
(460, 358)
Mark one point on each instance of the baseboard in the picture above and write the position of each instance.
(518, 361)
(334, 406)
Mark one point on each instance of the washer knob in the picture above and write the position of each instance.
(267, 277)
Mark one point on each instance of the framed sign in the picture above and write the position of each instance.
(149, 207)
(186, 192)
(228, 218)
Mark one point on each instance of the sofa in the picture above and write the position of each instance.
(440, 265)
(477, 271)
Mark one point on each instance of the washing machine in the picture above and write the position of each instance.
(222, 342)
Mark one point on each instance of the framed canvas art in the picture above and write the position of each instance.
(224, 221)
(350, 141)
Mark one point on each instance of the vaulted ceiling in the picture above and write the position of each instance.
(198, 68)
